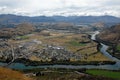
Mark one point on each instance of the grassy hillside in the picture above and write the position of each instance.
(8, 74)
(112, 34)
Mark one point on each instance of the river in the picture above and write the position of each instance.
(93, 37)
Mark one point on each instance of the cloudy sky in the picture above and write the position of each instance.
(60, 7)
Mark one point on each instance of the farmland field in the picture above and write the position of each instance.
(110, 74)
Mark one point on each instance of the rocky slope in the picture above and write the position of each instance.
(111, 36)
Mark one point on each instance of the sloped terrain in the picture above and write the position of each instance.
(111, 36)
(8, 74)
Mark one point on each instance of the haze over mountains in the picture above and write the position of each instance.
(10, 19)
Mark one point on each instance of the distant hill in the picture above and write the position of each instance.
(88, 19)
(9, 18)
(20, 29)
(99, 26)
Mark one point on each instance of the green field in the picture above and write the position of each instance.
(105, 73)
(22, 37)
(63, 74)
(118, 47)
(75, 43)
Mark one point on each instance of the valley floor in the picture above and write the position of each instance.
(50, 46)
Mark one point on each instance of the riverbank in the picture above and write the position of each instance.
(37, 63)
(111, 37)
(82, 73)
(112, 49)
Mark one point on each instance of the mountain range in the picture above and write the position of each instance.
(10, 18)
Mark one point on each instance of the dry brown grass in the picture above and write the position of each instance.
(96, 57)
(8, 74)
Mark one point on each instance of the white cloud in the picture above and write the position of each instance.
(60, 7)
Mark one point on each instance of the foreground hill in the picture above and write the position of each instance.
(8, 74)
